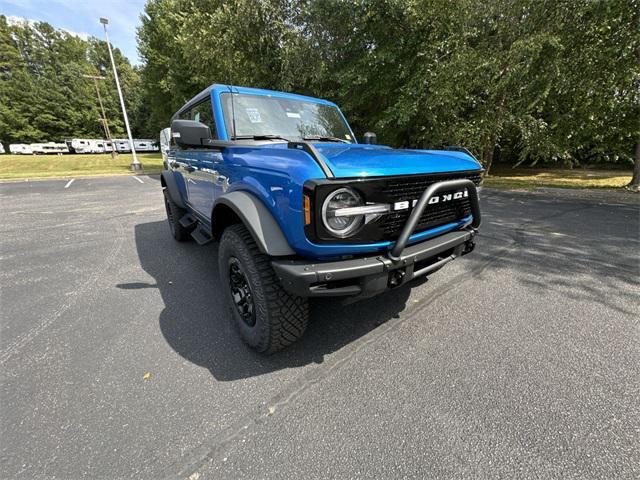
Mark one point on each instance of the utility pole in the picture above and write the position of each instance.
(135, 164)
(105, 125)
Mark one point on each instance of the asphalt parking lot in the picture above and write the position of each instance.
(118, 359)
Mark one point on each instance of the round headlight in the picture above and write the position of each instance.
(338, 224)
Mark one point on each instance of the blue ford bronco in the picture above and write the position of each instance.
(301, 209)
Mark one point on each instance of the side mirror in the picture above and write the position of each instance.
(370, 138)
(189, 133)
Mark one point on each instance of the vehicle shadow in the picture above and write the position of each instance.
(585, 250)
(196, 321)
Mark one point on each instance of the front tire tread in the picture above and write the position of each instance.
(284, 316)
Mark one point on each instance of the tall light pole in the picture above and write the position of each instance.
(135, 164)
(105, 125)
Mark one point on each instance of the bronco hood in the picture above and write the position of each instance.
(361, 160)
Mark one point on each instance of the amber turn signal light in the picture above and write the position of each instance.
(307, 210)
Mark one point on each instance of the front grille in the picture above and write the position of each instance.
(411, 188)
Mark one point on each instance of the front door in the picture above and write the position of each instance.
(202, 176)
(200, 165)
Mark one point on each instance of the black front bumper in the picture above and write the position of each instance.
(368, 276)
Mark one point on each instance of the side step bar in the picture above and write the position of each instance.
(201, 236)
(188, 221)
(198, 232)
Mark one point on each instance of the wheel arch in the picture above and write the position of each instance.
(242, 207)
(168, 182)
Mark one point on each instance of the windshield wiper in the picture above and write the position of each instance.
(259, 137)
(320, 138)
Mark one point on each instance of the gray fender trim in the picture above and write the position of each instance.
(172, 187)
(258, 219)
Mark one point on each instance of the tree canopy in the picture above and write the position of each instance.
(518, 81)
(43, 95)
(514, 80)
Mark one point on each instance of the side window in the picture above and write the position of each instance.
(203, 113)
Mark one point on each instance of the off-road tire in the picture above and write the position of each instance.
(174, 214)
(280, 318)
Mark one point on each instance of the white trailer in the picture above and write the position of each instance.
(20, 149)
(48, 148)
(140, 144)
(99, 146)
(165, 140)
(77, 145)
(108, 146)
(86, 145)
(122, 145)
(145, 145)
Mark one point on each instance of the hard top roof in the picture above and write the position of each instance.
(218, 88)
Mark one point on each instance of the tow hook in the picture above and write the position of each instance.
(395, 278)
(469, 245)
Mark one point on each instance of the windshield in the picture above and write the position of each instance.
(258, 115)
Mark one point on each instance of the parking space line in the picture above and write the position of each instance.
(138, 178)
(69, 183)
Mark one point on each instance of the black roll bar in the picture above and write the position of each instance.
(423, 202)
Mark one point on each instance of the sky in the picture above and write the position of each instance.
(82, 18)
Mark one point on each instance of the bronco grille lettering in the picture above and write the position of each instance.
(445, 197)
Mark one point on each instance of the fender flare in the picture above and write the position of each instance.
(258, 220)
(169, 182)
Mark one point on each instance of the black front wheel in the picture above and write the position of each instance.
(268, 318)
(241, 296)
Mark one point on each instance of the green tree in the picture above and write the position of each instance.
(517, 81)
(43, 96)
(187, 45)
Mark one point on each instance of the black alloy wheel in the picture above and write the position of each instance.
(241, 292)
(268, 318)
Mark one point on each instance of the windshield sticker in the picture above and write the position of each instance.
(293, 115)
(347, 136)
(254, 115)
